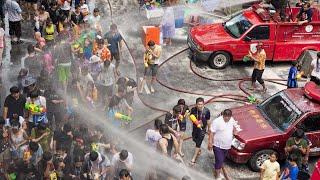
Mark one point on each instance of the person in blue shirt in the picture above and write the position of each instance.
(305, 14)
(292, 77)
(293, 169)
(115, 41)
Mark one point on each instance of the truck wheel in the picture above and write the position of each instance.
(258, 158)
(219, 60)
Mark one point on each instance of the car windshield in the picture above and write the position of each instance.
(237, 25)
(280, 110)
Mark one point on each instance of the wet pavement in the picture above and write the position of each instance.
(176, 73)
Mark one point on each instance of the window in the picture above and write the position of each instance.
(237, 25)
(311, 123)
(280, 111)
(259, 33)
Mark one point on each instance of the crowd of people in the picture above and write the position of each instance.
(73, 65)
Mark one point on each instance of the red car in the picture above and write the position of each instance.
(221, 43)
(267, 126)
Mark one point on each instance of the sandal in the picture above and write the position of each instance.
(181, 154)
(192, 163)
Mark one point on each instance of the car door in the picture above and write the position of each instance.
(311, 127)
(261, 33)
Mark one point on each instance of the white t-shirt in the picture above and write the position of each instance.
(99, 164)
(94, 21)
(85, 79)
(314, 71)
(116, 159)
(152, 137)
(21, 121)
(41, 101)
(66, 6)
(106, 77)
(271, 170)
(223, 132)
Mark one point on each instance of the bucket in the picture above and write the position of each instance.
(246, 59)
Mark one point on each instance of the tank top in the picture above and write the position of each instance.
(49, 33)
(170, 145)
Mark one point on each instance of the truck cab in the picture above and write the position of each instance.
(221, 43)
(265, 128)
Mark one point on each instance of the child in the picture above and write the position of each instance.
(270, 169)
(293, 169)
(41, 42)
(292, 77)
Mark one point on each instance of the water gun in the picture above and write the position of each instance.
(299, 75)
(252, 99)
(195, 121)
(26, 155)
(181, 116)
(34, 108)
(94, 147)
(122, 117)
(12, 176)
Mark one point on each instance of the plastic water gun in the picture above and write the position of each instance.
(26, 155)
(299, 75)
(195, 121)
(12, 176)
(252, 99)
(122, 117)
(94, 147)
(181, 116)
(34, 108)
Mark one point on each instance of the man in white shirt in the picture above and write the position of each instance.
(122, 160)
(315, 70)
(220, 139)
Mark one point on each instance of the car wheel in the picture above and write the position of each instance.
(219, 60)
(258, 158)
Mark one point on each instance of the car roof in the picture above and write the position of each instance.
(296, 95)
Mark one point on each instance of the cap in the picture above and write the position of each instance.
(27, 81)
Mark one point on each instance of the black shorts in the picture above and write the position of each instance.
(151, 69)
(115, 56)
(197, 138)
(15, 28)
(257, 76)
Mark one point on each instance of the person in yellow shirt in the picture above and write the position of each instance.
(151, 63)
(259, 59)
(270, 169)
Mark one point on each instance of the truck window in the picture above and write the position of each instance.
(280, 111)
(237, 25)
(311, 123)
(259, 33)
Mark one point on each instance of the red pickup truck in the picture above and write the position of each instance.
(221, 43)
(266, 127)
